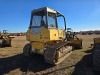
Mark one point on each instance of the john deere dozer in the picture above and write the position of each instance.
(71, 36)
(5, 39)
(46, 38)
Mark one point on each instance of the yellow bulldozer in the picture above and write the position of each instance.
(71, 36)
(96, 54)
(5, 39)
(46, 38)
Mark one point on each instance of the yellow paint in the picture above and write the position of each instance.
(58, 55)
(53, 34)
(61, 34)
(37, 45)
(11, 36)
(45, 36)
(75, 41)
(97, 40)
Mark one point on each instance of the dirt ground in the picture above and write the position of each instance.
(13, 62)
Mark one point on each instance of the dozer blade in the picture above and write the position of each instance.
(11, 36)
(57, 53)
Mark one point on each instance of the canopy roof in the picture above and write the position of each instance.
(47, 9)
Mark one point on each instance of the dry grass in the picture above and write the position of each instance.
(17, 47)
(12, 61)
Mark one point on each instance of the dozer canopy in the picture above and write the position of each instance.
(45, 17)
